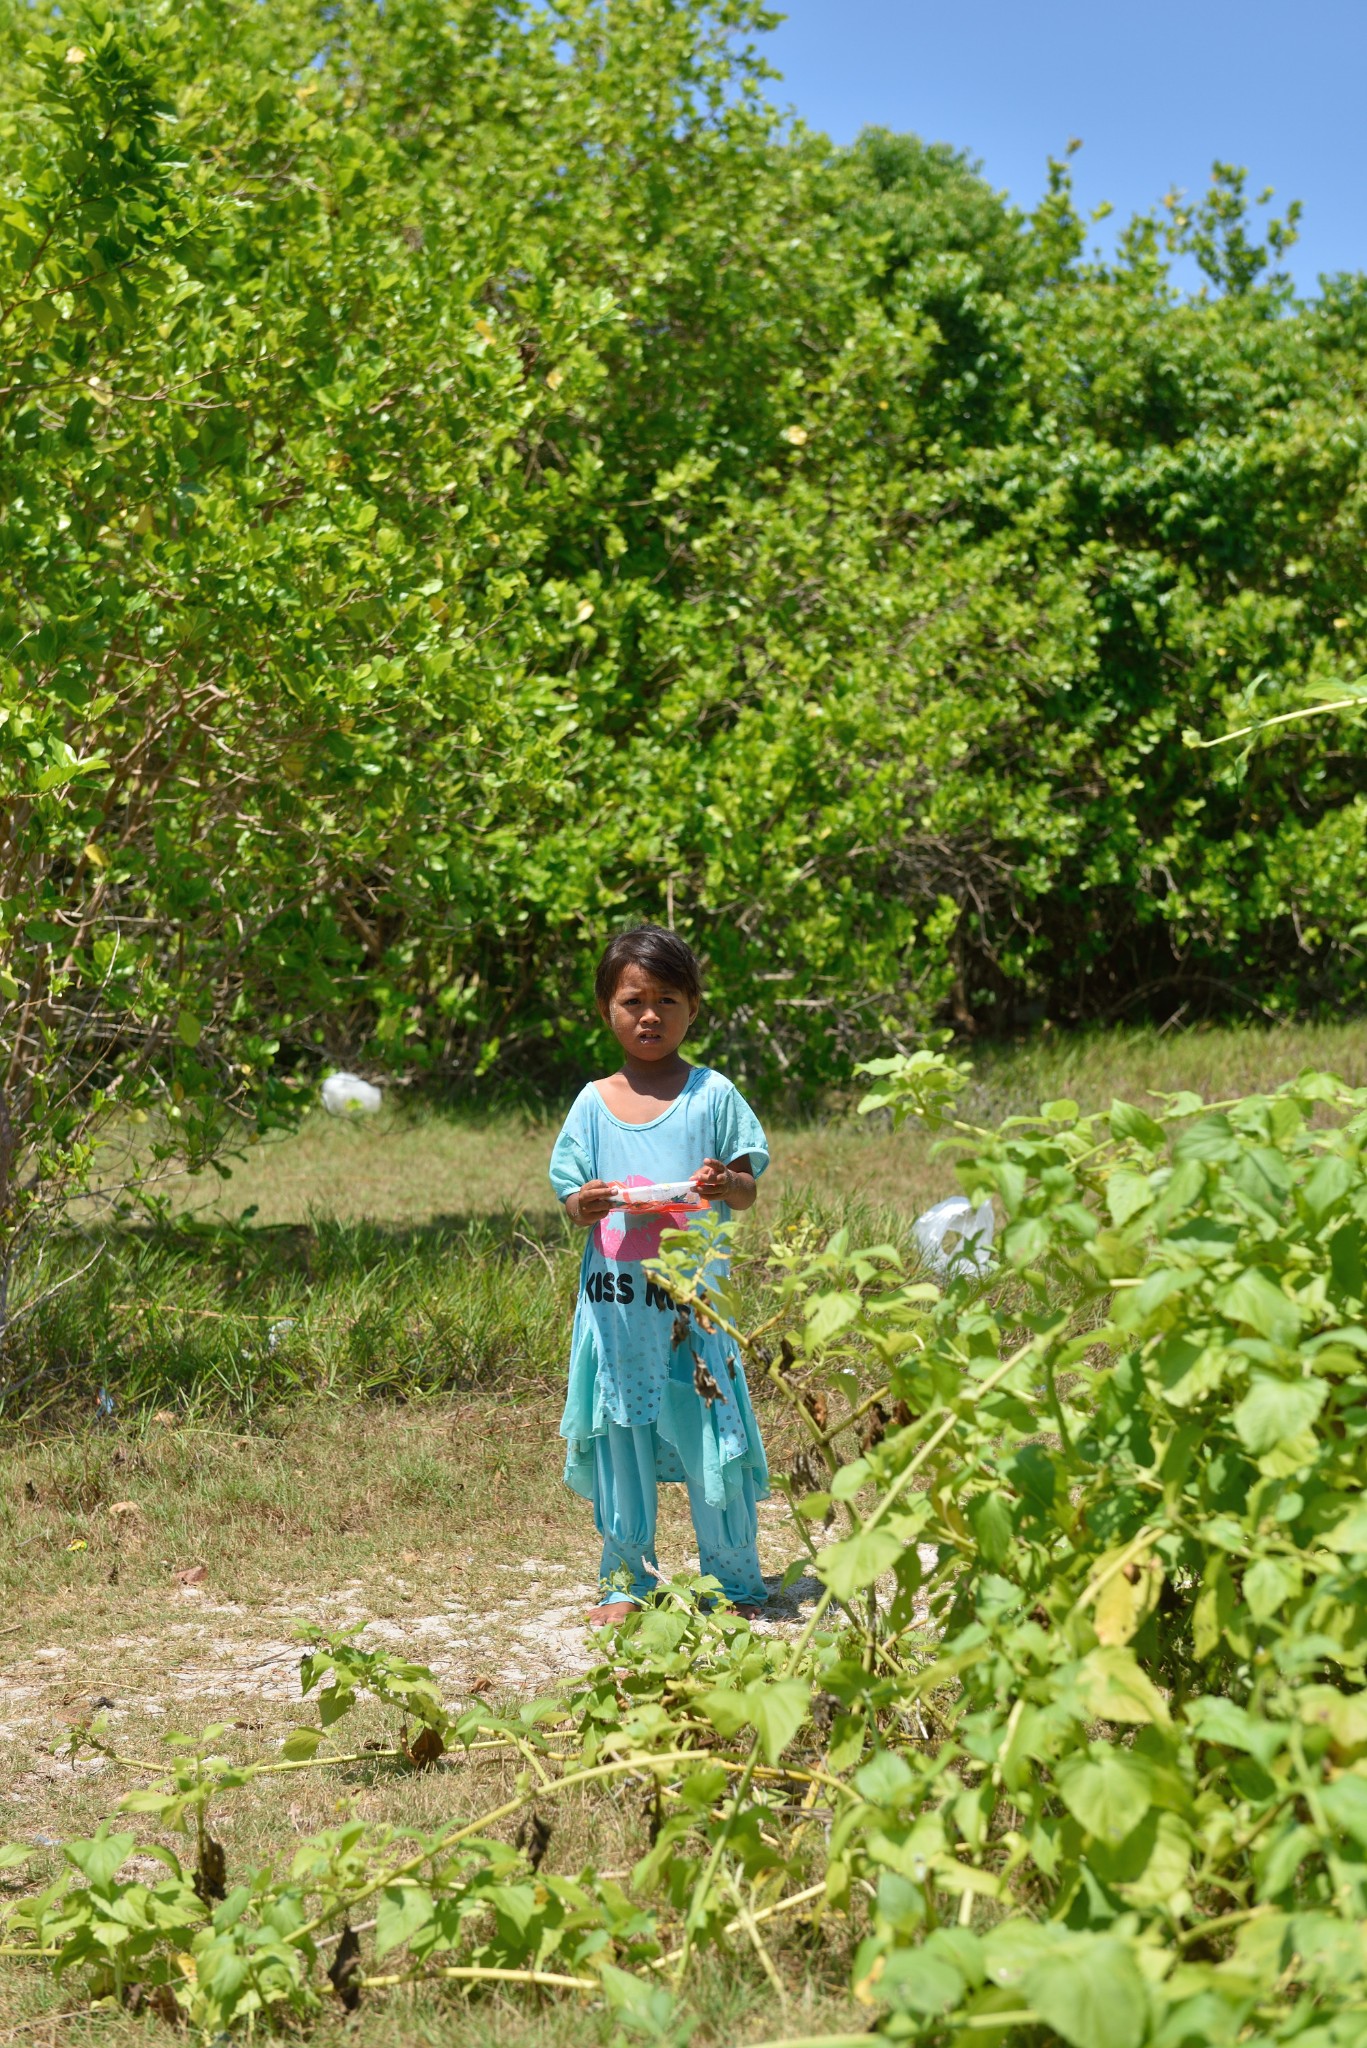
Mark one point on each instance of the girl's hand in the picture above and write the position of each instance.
(733, 1184)
(590, 1204)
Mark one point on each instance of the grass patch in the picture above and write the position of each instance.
(419, 1254)
(418, 1168)
(222, 1320)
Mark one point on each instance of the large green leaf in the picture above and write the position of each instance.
(1129, 1122)
(777, 1711)
(1268, 1584)
(1344, 1799)
(1108, 1789)
(1127, 1193)
(402, 1911)
(989, 1516)
(829, 1314)
(928, 1979)
(101, 1856)
(1275, 1410)
(1090, 1991)
(1116, 1688)
(848, 1567)
(1256, 1299)
(726, 1708)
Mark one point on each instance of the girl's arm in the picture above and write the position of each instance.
(733, 1184)
(590, 1204)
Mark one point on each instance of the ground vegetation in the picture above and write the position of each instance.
(1060, 1741)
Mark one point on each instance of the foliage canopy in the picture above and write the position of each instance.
(470, 477)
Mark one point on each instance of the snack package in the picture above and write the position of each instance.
(661, 1195)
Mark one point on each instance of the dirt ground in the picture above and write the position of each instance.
(209, 1658)
(157, 1580)
(151, 1587)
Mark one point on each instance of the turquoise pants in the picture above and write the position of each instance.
(625, 1509)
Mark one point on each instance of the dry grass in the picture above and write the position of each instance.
(444, 1526)
(424, 1168)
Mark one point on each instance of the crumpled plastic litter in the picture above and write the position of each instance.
(976, 1228)
(662, 1194)
(349, 1095)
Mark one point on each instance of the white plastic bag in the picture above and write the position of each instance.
(348, 1095)
(662, 1194)
(973, 1253)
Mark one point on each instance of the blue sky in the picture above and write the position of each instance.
(1155, 92)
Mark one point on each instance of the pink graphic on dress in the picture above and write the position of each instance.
(627, 1239)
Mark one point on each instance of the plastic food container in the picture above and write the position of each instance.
(662, 1195)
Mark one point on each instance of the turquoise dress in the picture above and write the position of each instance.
(633, 1415)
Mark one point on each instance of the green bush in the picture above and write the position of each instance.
(1074, 1743)
(471, 478)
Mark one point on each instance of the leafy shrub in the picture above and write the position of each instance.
(1074, 1742)
(432, 538)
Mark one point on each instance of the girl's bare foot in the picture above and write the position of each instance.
(611, 1614)
(750, 1613)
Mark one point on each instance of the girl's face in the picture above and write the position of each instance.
(648, 1018)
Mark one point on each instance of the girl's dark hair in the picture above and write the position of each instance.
(664, 954)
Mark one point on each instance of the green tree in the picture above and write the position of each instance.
(470, 478)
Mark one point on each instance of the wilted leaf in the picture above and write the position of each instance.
(345, 1970)
(534, 1838)
(1127, 1600)
(703, 1383)
(211, 1877)
(814, 1401)
(427, 1749)
(873, 1427)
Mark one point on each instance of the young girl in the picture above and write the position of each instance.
(651, 1396)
